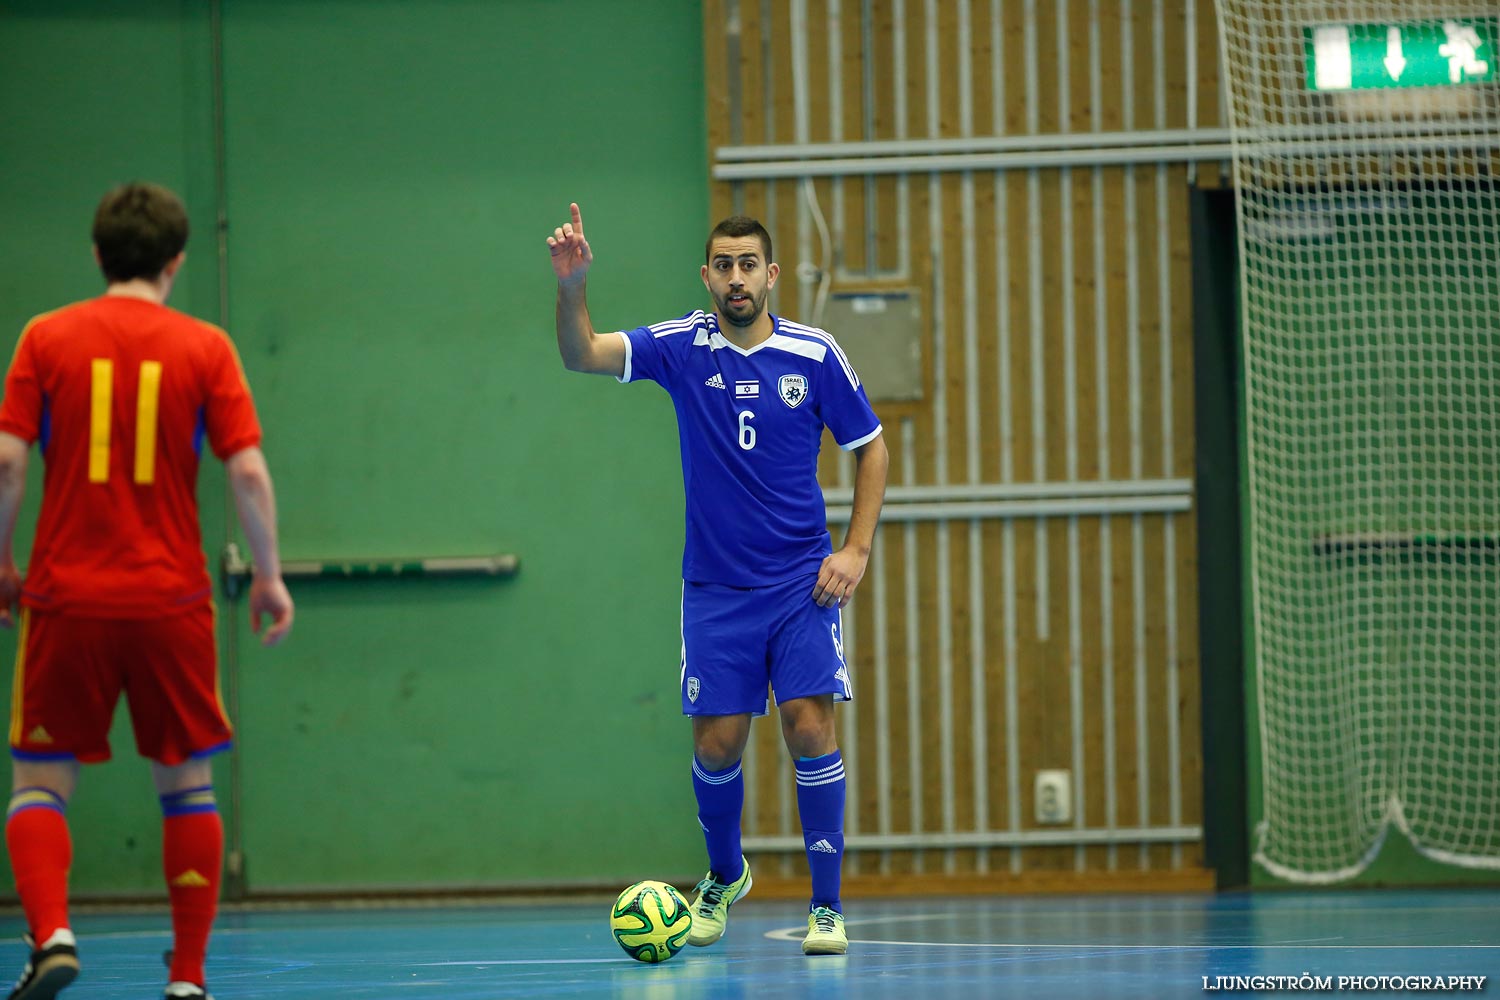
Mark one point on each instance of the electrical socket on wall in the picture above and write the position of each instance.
(1054, 797)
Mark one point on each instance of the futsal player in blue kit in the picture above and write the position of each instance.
(762, 586)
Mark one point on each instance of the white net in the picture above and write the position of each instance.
(1367, 150)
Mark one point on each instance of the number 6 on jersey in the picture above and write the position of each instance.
(747, 433)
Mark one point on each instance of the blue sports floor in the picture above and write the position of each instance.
(926, 948)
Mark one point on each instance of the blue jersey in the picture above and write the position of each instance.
(751, 425)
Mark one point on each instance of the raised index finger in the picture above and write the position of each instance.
(577, 218)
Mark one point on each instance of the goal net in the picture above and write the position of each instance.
(1366, 138)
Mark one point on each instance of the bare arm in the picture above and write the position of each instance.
(843, 571)
(871, 460)
(255, 500)
(581, 347)
(13, 456)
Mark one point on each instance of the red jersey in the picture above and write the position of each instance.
(120, 392)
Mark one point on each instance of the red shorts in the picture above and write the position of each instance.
(70, 672)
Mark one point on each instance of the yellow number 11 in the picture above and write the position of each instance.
(148, 395)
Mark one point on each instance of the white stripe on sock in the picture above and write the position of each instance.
(826, 781)
(715, 779)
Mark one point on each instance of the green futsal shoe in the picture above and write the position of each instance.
(711, 908)
(825, 933)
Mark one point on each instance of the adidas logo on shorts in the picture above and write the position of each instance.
(823, 847)
(717, 382)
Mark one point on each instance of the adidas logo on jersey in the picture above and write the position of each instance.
(823, 847)
(717, 382)
(190, 879)
(39, 735)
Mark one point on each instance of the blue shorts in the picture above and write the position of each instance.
(736, 641)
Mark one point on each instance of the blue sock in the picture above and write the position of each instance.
(189, 800)
(820, 800)
(35, 797)
(721, 800)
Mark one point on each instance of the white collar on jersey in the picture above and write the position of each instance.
(717, 341)
(778, 341)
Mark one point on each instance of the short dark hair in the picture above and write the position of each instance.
(138, 228)
(735, 226)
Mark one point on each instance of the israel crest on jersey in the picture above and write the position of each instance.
(792, 389)
(692, 689)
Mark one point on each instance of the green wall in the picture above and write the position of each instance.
(391, 173)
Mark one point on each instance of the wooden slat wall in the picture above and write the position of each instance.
(1066, 611)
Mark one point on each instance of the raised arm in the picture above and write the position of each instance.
(582, 349)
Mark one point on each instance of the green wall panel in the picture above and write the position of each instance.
(392, 172)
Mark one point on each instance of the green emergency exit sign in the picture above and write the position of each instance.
(1414, 54)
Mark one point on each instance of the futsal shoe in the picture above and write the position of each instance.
(711, 908)
(825, 933)
(178, 989)
(52, 966)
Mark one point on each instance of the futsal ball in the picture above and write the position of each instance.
(650, 921)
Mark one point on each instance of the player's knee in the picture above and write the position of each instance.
(716, 755)
(59, 777)
(720, 761)
(808, 734)
(807, 726)
(817, 743)
(172, 778)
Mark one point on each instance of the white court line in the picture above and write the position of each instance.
(796, 933)
(165, 935)
(526, 961)
(237, 931)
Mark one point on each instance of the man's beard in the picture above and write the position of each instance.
(756, 307)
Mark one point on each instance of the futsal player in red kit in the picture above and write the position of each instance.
(120, 393)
